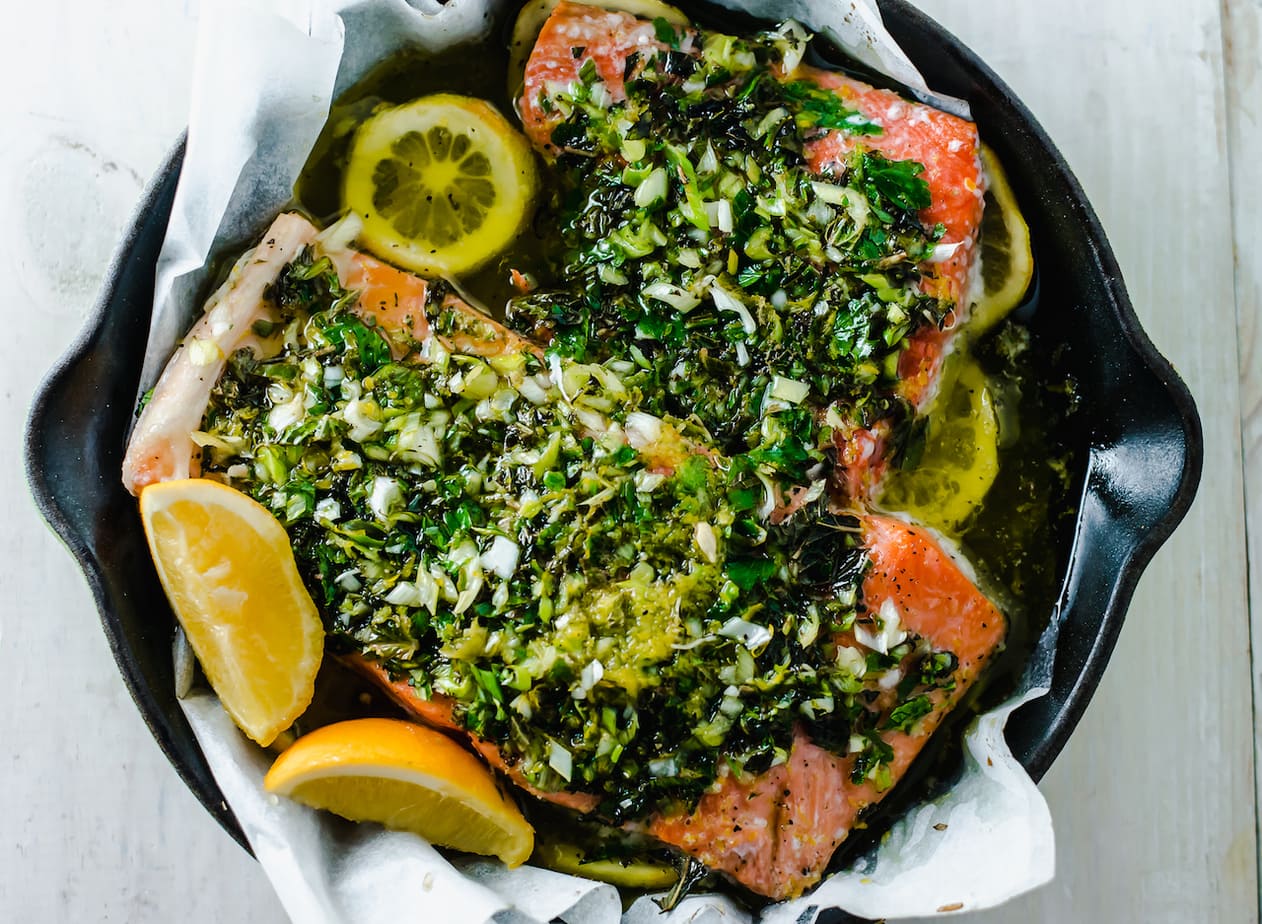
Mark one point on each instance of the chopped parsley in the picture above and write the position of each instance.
(696, 241)
(585, 580)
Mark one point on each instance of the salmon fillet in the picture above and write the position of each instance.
(950, 150)
(161, 445)
(947, 146)
(399, 301)
(607, 39)
(615, 44)
(775, 833)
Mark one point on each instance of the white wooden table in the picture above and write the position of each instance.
(1155, 103)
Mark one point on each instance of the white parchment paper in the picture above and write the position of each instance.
(265, 74)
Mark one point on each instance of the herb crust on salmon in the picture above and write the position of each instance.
(629, 550)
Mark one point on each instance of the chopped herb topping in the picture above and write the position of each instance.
(696, 243)
(584, 580)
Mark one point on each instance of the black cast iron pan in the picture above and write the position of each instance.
(1136, 437)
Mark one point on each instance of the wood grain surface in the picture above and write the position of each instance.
(1242, 46)
(1155, 104)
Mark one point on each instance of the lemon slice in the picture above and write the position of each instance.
(406, 777)
(535, 13)
(631, 874)
(442, 184)
(961, 453)
(229, 572)
(1007, 264)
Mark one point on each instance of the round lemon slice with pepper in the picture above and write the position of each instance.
(441, 184)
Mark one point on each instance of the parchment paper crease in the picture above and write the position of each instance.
(265, 73)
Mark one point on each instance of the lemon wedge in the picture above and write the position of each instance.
(441, 184)
(961, 453)
(406, 777)
(227, 568)
(1007, 263)
(630, 874)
